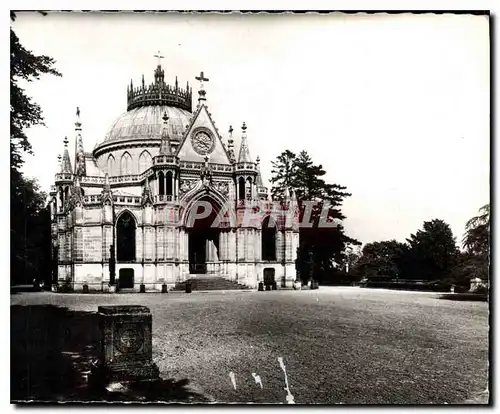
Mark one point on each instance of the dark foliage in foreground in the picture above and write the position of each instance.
(30, 221)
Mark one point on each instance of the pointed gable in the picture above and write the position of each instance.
(202, 139)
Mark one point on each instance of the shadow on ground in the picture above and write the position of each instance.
(23, 289)
(52, 349)
(472, 297)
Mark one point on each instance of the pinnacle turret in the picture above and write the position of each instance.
(230, 145)
(66, 161)
(244, 155)
(106, 193)
(146, 194)
(165, 147)
(80, 168)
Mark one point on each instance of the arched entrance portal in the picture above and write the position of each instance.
(203, 236)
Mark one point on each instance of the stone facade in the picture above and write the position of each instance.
(135, 202)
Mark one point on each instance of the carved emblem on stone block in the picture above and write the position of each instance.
(129, 338)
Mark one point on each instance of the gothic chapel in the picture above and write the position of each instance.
(126, 216)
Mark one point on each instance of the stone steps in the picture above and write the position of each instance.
(209, 283)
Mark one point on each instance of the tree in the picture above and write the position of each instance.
(433, 252)
(477, 233)
(470, 266)
(30, 232)
(475, 260)
(352, 256)
(382, 260)
(299, 174)
(282, 174)
(29, 219)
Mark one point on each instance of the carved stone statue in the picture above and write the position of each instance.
(212, 255)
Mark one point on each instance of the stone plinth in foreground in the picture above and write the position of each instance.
(126, 353)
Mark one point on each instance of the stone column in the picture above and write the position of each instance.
(223, 245)
(186, 246)
(279, 246)
(258, 245)
(176, 186)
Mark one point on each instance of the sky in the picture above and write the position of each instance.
(395, 107)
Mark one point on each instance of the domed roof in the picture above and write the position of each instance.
(146, 123)
(146, 105)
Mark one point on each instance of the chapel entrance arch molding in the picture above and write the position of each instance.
(217, 200)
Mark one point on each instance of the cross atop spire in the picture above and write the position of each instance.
(201, 92)
(78, 124)
(159, 57)
(202, 79)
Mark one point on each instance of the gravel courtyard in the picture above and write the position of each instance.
(339, 345)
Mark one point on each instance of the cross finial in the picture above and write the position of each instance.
(78, 124)
(160, 57)
(202, 79)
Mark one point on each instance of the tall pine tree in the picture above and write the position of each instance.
(322, 247)
(283, 174)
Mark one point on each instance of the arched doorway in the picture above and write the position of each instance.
(203, 237)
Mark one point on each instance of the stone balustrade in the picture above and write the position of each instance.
(163, 198)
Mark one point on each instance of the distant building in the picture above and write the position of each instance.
(136, 197)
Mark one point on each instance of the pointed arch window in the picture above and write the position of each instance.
(268, 239)
(125, 238)
(145, 161)
(248, 189)
(126, 164)
(241, 188)
(111, 165)
(161, 183)
(61, 197)
(169, 182)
